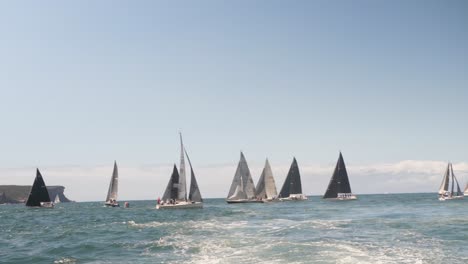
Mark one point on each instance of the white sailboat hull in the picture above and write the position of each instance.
(294, 197)
(47, 205)
(182, 205)
(347, 198)
(444, 198)
(110, 204)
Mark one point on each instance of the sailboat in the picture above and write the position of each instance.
(175, 195)
(465, 193)
(242, 188)
(449, 194)
(266, 187)
(339, 187)
(39, 196)
(292, 187)
(112, 193)
(57, 199)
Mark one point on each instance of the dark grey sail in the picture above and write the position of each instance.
(38, 192)
(339, 182)
(172, 188)
(292, 184)
(194, 194)
(112, 193)
(454, 180)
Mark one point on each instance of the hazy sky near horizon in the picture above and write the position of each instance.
(85, 83)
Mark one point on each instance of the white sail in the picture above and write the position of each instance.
(445, 181)
(266, 187)
(242, 184)
(114, 185)
(182, 193)
(57, 199)
(466, 190)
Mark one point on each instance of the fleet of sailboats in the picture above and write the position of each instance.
(449, 188)
(112, 193)
(339, 187)
(242, 188)
(292, 186)
(175, 195)
(39, 196)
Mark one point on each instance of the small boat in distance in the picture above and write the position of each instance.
(266, 187)
(444, 192)
(339, 187)
(39, 196)
(57, 199)
(242, 188)
(112, 193)
(292, 186)
(175, 195)
(465, 193)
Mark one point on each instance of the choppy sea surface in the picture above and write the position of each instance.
(393, 228)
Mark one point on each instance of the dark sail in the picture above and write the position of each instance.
(38, 192)
(339, 183)
(194, 194)
(172, 188)
(292, 184)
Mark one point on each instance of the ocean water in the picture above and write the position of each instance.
(394, 228)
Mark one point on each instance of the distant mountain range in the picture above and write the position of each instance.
(20, 193)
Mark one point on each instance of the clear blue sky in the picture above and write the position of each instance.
(87, 82)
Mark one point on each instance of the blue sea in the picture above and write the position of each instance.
(393, 228)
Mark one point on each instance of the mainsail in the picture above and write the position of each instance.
(57, 199)
(194, 194)
(242, 186)
(339, 182)
(292, 184)
(112, 193)
(445, 181)
(182, 191)
(446, 187)
(266, 187)
(172, 189)
(38, 192)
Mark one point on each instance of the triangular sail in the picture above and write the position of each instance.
(112, 193)
(292, 184)
(445, 181)
(459, 192)
(57, 199)
(466, 188)
(339, 182)
(266, 187)
(182, 192)
(242, 186)
(194, 194)
(38, 192)
(172, 188)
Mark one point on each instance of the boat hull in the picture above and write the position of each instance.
(47, 205)
(112, 204)
(350, 198)
(451, 198)
(180, 206)
(243, 201)
(294, 197)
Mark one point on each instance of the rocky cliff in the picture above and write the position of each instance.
(20, 193)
